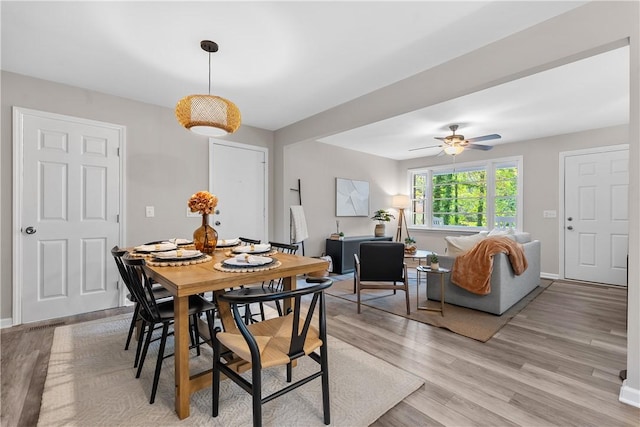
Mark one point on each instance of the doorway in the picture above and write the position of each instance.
(594, 227)
(238, 175)
(66, 200)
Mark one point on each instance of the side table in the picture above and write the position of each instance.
(426, 270)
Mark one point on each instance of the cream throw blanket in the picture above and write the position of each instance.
(472, 270)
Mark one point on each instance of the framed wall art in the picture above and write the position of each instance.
(352, 197)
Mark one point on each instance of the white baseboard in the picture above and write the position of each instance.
(628, 395)
(549, 276)
(6, 323)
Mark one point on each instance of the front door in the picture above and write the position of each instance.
(69, 202)
(238, 176)
(596, 216)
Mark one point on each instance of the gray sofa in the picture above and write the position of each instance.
(506, 288)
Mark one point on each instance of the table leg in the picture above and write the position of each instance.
(181, 336)
(442, 295)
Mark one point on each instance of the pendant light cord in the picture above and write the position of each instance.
(209, 73)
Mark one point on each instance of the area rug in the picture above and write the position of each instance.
(91, 382)
(470, 323)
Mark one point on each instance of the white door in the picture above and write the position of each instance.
(238, 176)
(69, 177)
(596, 216)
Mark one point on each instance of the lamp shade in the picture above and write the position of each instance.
(401, 201)
(208, 115)
(453, 149)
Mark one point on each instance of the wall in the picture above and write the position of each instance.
(317, 166)
(541, 184)
(165, 163)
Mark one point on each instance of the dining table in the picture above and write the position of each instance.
(185, 280)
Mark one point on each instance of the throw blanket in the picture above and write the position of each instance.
(472, 270)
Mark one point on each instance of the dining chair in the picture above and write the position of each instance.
(159, 293)
(381, 266)
(274, 342)
(154, 312)
(248, 241)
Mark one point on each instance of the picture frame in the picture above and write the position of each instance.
(352, 197)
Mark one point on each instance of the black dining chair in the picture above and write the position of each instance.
(153, 312)
(273, 342)
(159, 293)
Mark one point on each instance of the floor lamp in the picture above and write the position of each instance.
(401, 202)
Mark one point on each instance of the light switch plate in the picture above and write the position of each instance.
(150, 211)
(549, 214)
(192, 214)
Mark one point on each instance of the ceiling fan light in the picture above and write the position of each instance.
(453, 150)
(208, 115)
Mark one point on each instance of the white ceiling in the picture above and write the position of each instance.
(282, 62)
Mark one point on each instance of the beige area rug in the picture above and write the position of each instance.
(470, 323)
(91, 382)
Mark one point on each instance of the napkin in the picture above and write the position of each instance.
(263, 247)
(227, 242)
(180, 241)
(180, 253)
(164, 246)
(249, 259)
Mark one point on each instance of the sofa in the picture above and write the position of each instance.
(506, 288)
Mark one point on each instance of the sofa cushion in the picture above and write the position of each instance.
(518, 236)
(457, 245)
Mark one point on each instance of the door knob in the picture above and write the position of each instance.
(30, 230)
(217, 223)
(569, 228)
(570, 219)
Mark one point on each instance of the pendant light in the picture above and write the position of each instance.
(208, 115)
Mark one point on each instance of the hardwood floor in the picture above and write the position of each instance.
(556, 363)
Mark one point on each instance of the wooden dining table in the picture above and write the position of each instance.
(186, 280)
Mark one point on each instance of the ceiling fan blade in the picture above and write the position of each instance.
(441, 138)
(479, 147)
(441, 153)
(424, 148)
(484, 138)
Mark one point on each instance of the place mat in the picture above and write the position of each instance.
(173, 263)
(218, 266)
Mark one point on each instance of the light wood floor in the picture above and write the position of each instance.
(556, 363)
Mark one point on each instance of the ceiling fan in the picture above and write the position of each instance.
(455, 144)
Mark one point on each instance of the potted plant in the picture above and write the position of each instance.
(410, 245)
(381, 216)
(433, 259)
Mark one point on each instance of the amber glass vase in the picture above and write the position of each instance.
(205, 238)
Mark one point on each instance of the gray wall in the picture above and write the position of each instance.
(165, 163)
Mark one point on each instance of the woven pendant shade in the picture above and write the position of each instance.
(208, 115)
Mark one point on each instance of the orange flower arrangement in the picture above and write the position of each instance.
(203, 202)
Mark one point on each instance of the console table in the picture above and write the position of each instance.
(341, 251)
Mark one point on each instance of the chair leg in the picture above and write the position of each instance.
(141, 338)
(215, 388)
(324, 365)
(256, 395)
(406, 293)
(143, 356)
(358, 294)
(156, 376)
(132, 327)
(196, 333)
(289, 372)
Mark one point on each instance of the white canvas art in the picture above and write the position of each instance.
(352, 197)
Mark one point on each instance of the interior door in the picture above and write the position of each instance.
(69, 206)
(238, 176)
(596, 216)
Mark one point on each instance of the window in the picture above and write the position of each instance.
(467, 196)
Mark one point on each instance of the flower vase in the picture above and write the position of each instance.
(379, 230)
(205, 238)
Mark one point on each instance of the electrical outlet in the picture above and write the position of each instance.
(150, 211)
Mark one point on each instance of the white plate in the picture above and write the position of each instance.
(177, 255)
(252, 249)
(253, 261)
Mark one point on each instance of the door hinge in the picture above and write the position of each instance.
(118, 218)
(118, 151)
(118, 284)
